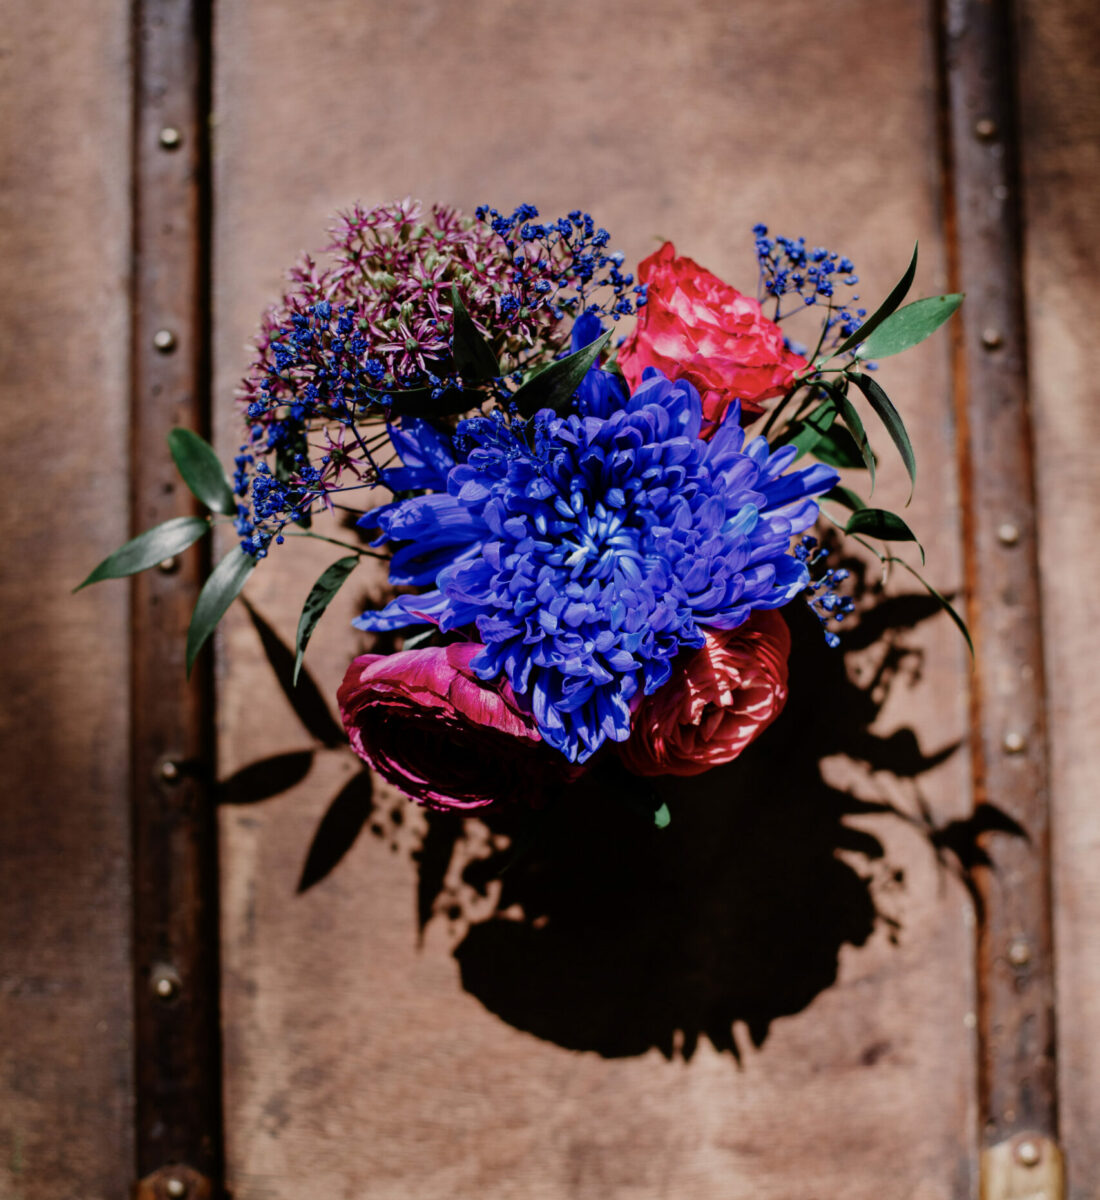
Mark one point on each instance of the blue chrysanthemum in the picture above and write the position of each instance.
(588, 550)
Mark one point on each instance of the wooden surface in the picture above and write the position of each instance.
(1016, 1020)
(65, 1002)
(1060, 124)
(177, 1051)
(366, 1060)
(776, 1001)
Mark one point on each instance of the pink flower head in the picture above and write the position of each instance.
(424, 721)
(695, 327)
(718, 700)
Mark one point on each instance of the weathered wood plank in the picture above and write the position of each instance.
(65, 1003)
(175, 875)
(1016, 1017)
(357, 1063)
(1059, 48)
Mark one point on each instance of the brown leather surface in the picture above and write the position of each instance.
(479, 1058)
(65, 1005)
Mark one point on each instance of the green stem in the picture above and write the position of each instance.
(320, 537)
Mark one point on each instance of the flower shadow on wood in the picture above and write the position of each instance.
(606, 934)
(592, 929)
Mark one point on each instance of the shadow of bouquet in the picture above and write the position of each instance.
(586, 925)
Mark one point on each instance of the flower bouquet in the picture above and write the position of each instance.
(592, 538)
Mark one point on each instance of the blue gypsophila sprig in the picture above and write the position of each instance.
(589, 550)
(822, 595)
(810, 277)
(563, 266)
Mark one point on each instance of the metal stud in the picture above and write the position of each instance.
(164, 982)
(1027, 1153)
(1008, 534)
(167, 565)
(991, 338)
(1014, 742)
(170, 771)
(1019, 952)
(164, 340)
(170, 138)
(985, 128)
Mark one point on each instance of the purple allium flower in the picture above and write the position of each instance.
(350, 337)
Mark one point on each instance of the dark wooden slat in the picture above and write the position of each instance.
(1059, 70)
(175, 877)
(1016, 1019)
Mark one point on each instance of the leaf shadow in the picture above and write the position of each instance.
(304, 697)
(338, 829)
(265, 778)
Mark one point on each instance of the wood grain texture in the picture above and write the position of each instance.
(1016, 1010)
(364, 1054)
(65, 1003)
(1060, 126)
(177, 1053)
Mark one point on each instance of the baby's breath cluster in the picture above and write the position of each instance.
(810, 277)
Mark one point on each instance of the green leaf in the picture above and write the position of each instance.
(218, 593)
(884, 525)
(838, 449)
(554, 385)
(891, 418)
(149, 548)
(851, 419)
(805, 434)
(647, 805)
(959, 622)
(844, 496)
(474, 357)
(889, 305)
(202, 471)
(909, 326)
(319, 598)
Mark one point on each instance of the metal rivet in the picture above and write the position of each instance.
(1014, 742)
(1019, 952)
(164, 340)
(985, 128)
(169, 771)
(991, 338)
(170, 137)
(1008, 534)
(167, 565)
(1027, 1153)
(164, 982)
(175, 1187)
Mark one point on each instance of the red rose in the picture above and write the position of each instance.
(695, 327)
(716, 702)
(424, 721)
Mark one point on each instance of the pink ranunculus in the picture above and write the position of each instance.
(424, 721)
(695, 327)
(718, 699)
